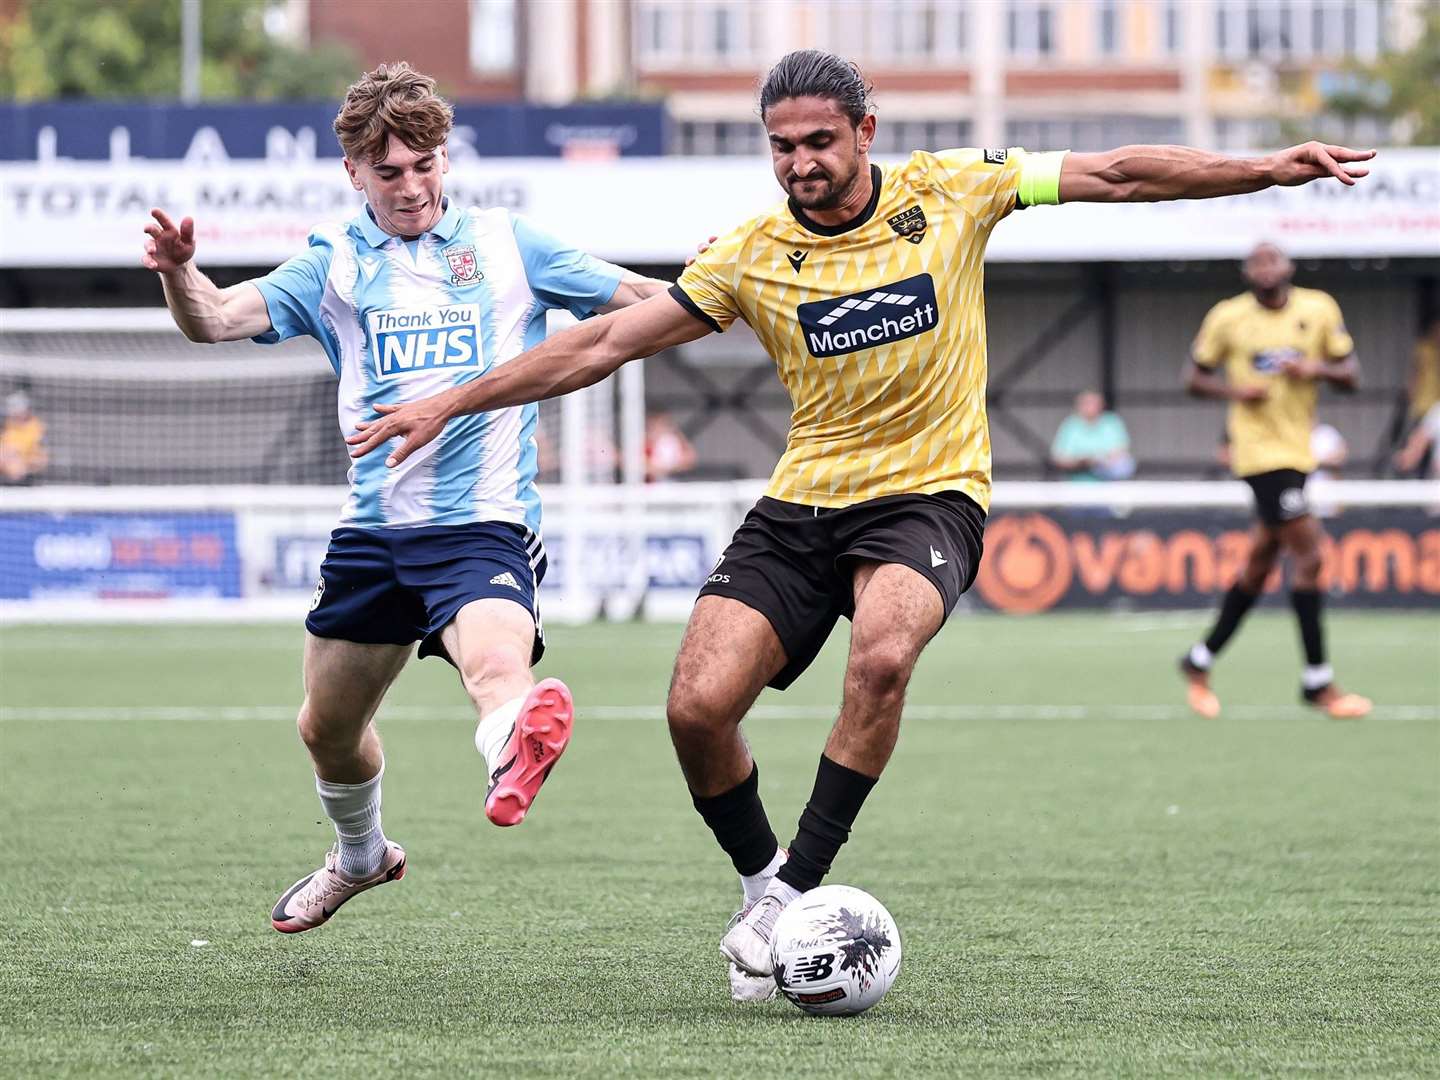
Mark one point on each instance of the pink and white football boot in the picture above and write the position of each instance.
(539, 737)
(317, 896)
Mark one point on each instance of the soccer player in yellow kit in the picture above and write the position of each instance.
(1275, 344)
(866, 288)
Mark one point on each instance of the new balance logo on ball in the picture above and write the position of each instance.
(862, 320)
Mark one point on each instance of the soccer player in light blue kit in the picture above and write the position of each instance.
(413, 296)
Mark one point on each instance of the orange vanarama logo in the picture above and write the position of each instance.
(1033, 563)
(1027, 565)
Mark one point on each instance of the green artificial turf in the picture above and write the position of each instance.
(1088, 881)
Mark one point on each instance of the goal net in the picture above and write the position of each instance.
(126, 399)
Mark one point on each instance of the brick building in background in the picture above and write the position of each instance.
(1085, 74)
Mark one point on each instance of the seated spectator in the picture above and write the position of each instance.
(667, 451)
(1423, 389)
(22, 442)
(1424, 441)
(1092, 444)
(1422, 393)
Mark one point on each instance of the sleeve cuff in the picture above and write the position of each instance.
(616, 272)
(273, 335)
(1040, 178)
(683, 299)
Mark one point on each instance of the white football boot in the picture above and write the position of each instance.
(744, 987)
(747, 943)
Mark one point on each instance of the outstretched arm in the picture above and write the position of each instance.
(203, 311)
(578, 357)
(1162, 173)
(632, 289)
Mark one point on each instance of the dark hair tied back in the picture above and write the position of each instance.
(812, 73)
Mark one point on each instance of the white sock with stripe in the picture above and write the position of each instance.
(354, 809)
(493, 733)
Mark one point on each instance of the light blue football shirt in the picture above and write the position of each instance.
(403, 321)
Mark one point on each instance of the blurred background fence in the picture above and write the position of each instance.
(628, 127)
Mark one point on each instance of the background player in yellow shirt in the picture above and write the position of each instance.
(1275, 344)
(866, 288)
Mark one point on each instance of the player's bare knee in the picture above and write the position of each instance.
(880, 671)
(324, 733)
(697, 711)
(1307, 568)
(1259, 567)
(481, 669)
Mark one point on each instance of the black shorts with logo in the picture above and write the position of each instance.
(795, 564)
(1279, 495)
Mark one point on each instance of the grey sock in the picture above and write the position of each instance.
(355, 811)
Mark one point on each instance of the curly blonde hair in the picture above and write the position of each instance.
(397, 100)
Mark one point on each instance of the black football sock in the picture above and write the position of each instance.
(1236, 606)
(825, 825)
(1318, 676)
(737, 818)
(1306, 603)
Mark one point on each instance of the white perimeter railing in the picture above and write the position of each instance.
(225, 553)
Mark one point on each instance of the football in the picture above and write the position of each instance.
(836, 951)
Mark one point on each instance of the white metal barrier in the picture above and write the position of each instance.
(618, 551)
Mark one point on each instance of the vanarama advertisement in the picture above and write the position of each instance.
(1387, 557)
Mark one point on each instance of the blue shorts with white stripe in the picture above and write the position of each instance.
(396, 586)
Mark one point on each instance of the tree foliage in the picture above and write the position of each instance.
(1401, 86)
(131, 49)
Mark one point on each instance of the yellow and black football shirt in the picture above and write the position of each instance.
(877, 326)
(1250, 340)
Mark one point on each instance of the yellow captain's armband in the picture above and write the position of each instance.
(1040, 178)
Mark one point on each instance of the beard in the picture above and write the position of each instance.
(822, 192)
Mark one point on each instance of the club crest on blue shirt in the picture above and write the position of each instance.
(464, 269)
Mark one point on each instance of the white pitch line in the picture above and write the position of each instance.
(407, 713)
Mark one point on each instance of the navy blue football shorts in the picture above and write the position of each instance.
(397, 586)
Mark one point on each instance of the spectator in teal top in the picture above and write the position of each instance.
(1092, 444)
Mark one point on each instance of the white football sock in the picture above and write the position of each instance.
(754, 884)
(1201, 657)
(1317, 676)
(786, 894)
(494, 731)
(355, 811)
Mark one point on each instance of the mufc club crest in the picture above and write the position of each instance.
(464, 269)
(910, 224)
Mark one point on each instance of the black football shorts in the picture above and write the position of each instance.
(1279, 495)
(795, 564)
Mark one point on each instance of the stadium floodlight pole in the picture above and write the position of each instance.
(190, 50)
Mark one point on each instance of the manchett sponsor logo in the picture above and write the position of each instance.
(863, 320)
